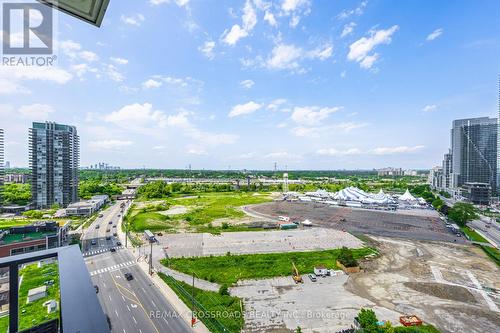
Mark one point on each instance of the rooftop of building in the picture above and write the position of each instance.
(17, 238)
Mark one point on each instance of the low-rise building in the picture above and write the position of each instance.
(31, 238)
(18, 178)
(390, 172)
(87, 207)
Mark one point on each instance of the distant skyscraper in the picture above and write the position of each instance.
(474, 149)
(498, 139)
(54, 160)
(2, 174)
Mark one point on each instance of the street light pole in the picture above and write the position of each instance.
(151, 259)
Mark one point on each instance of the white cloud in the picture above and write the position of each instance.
(396, 150)
(276, 104)
(435, 34)
(337, 152)
(283, 155)
(375, 151)
(159, 147)
(8, 87)
(322, 53)
(234, 35)
(149, 84)
(429, 108)
(88, 56)
(208, 49)
(249, 17)
(311, 115)
(180, 3)
(109, 144)
(139, 117)
(237, 32)
(119, 61)
(246, 108)
(195, 151)
(360, 49)
(292, 5)
(348, 29)
(269, 18)
(284, 57)
(135, 19)
(247, 84)
(356, 11)
(36, 111)
(112, 72)
(38, 73)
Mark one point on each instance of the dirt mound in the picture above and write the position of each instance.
(444, 291)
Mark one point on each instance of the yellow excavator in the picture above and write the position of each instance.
(295, 274)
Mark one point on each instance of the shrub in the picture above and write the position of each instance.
(224, 290)
(346, 257)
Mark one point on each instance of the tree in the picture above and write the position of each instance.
(437, 203)
(298, 330)
(462, 212)
(224, 290)
(346, 257)
(368, 320)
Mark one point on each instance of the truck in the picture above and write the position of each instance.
(149, 236)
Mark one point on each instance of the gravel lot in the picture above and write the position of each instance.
(412, 224)
(247, 242)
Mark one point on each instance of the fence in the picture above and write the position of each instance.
(211, 323)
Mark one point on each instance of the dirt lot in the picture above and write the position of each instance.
(442, 283)
(412, 224)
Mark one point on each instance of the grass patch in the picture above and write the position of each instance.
(202, 210)
(220, 313)
(34, 313)
(229, 269)
(473, 235)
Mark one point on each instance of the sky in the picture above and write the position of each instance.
(244, 84)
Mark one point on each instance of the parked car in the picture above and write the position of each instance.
(110, 222)
(100, 215)
(112, 249)
(93, 242)
(118, 243)
(312, 277)
(108, 237)
(97, 226)
(129, 276)
(115, 234)
(96, 287)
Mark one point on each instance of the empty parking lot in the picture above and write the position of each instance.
(417, 224)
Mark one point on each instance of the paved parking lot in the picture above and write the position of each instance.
(413, 224)
(247, 242)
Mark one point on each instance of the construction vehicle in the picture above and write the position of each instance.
(295, 274)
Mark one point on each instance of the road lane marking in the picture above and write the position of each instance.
(136, 300)
(135, 321)
(117, 314)
(109, 297)
(153, 303)
(128, 308)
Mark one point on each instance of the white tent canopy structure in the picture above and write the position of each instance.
(407, 197)
(356, 194)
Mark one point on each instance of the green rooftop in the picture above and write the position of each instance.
(15, 238)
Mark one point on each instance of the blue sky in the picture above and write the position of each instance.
(308, 84)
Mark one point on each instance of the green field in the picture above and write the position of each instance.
(229, 269)
(219, 313)
(8, 223)
(202, 210)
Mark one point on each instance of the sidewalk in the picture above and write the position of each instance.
(168, 293)
(198, 283)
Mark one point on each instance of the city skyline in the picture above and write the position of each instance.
(358, 85)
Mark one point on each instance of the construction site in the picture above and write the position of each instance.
(453, 287)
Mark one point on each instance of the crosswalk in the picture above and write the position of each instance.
(94, 252)
(113, 268)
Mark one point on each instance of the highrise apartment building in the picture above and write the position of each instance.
(474, 150)
(54, 160)
(2, 171)
(447, 170)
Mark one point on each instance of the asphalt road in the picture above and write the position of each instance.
(132, 306)
(493, 232)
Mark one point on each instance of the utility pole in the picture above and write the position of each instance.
(151, 259)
